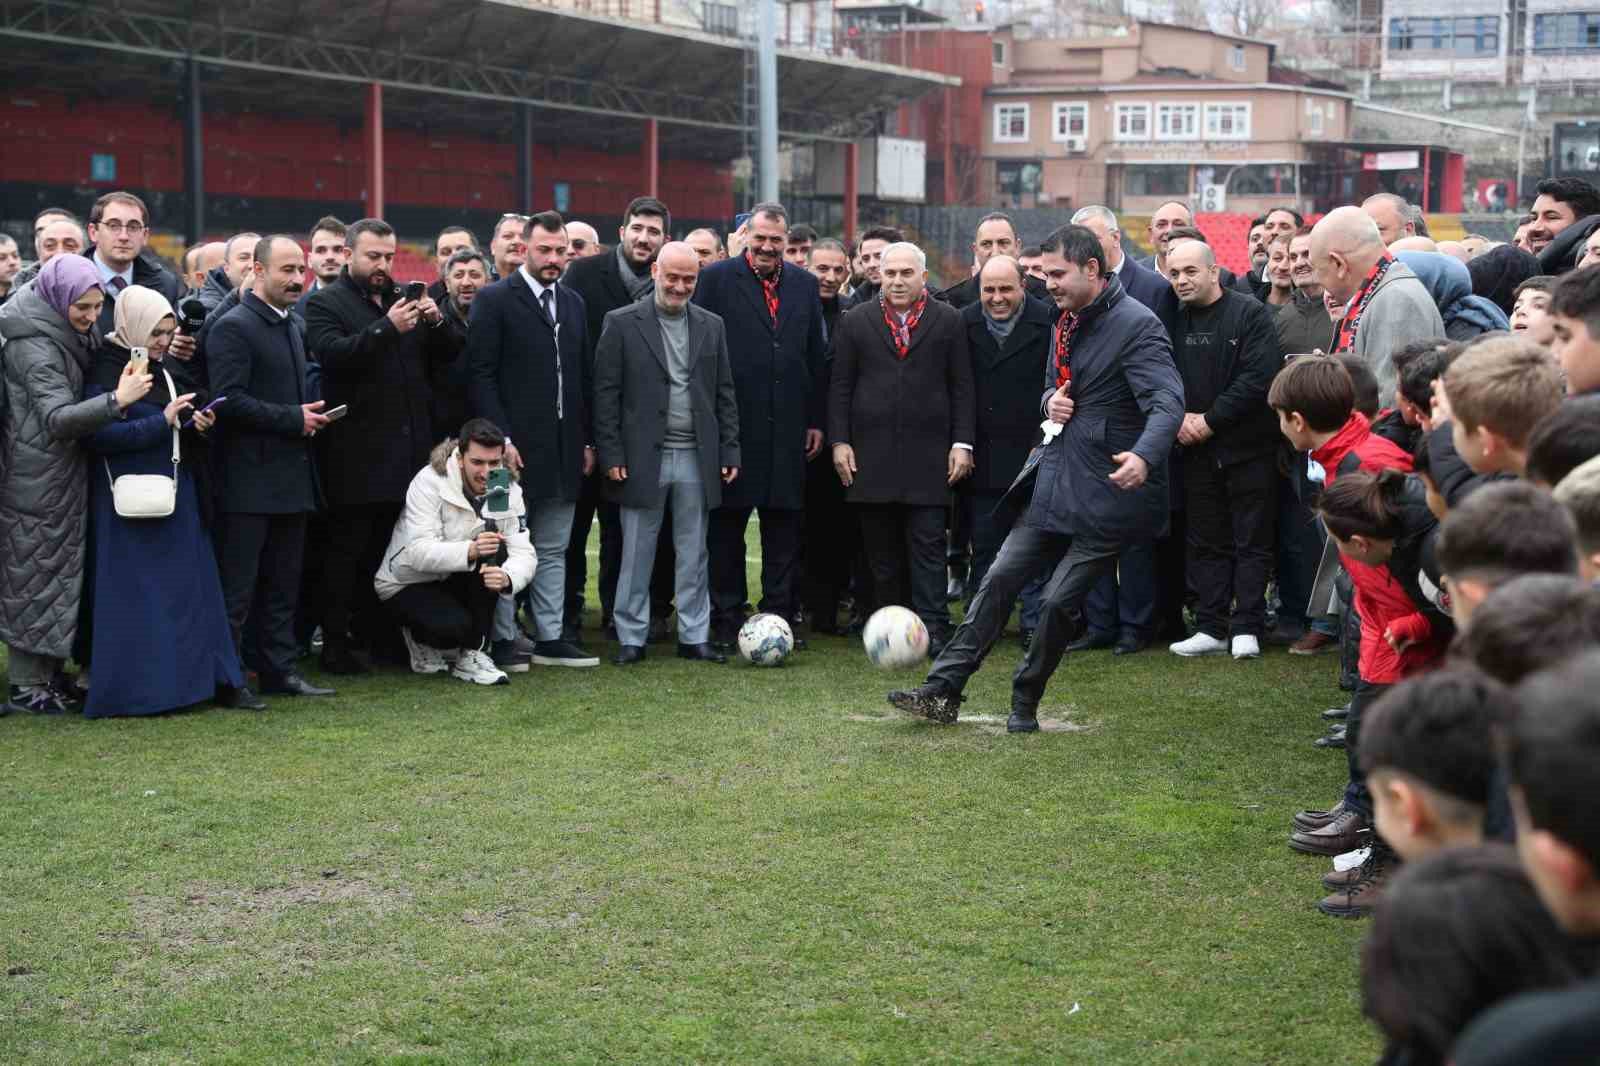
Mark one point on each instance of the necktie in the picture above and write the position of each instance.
(548, 299)
(118, 283)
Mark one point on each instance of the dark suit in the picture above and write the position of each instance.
(148, 272)
(530, 376)
(370, 456)
(631, 395)
(968, 291)
(776, 371)
(902, 417)
(832, 536)
(266, 472)
(1143, 283)
(598, 280)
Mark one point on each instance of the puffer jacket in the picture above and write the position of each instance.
(431, 538)
(44, 491)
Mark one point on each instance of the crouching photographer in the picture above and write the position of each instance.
(460, 544)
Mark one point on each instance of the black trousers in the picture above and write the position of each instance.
(780, 564)
(1357, 797)
(457, 612)
(357, 538)
(1172, 585)
(830, 542)
(260, 557)
(313, 579)
(1074, 565)
(959, 547)
(1232, 513)
(905, 548)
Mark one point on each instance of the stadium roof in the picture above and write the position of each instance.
(443, 64)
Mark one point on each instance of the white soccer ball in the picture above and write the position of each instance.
(765, 640)
(895, 638)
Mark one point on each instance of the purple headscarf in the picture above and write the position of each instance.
(65, 279)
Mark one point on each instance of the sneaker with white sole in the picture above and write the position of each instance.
(425, 659)
(1246, 647)
(562, 653)
(1197, 645)
(476, 666)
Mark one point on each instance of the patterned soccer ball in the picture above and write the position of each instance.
(765, 640)
(895, 638)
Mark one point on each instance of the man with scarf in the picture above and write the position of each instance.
(1113, 403)
(607, 282)
(776, 341)
(901, 396)
(1386, 306)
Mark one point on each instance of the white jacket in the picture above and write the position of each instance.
(431, 539)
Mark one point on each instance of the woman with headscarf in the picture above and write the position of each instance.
(50, 337)
(1445, 277)
(160, 631)
(1497, 272)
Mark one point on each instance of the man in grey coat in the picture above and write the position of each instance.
(666, 425)
(1386, 306)
(1113, 402)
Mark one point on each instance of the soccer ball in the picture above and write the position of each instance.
(895, 638)
(765, 640)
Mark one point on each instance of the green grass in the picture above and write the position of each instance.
(683, 863)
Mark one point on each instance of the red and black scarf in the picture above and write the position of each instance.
(901, 335)
(769, 286)
(1344, 338)
(1066, 326)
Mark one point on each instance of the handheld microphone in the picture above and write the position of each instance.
(192, 315)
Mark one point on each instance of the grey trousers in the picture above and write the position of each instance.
(685, 494)
(550, 528)
(28, 670)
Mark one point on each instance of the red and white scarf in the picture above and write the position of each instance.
(901, 335)
(1344, 338)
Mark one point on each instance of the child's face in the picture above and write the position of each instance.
(1531, 315)
(1578, 352)
(1294, 429)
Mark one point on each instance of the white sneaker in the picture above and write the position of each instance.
(476, 666)
(1246, 647)
(1349, 859)
(1197, 645)
(425, 659)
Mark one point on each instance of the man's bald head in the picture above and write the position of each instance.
(1192, 270)
(206, 259)
(1414, 244)
(1000, 287)
(1000, 266)
(582, 240)
(1392, 215)
(1345, 246)
(676, 270)
(1197, 252)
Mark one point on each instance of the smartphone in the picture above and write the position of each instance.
(337, 413)
(139, 360)
(497, 498)
(190, 420)
(416, 290)
(741, 218)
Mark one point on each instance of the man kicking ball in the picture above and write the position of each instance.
(1114, 402)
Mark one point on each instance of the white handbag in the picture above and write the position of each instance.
(147, 495)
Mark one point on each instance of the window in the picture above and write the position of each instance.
(999, 48)
(1133, 122)
(1177, 122)
(1069, 121)
(720, 19)
(1262, 179)
(1019, 184)
(1228, 122)
(1010, 123)
(1236, 57)
(1156, 181)
(1475, 35)
(1316, 122)
(1577, 31)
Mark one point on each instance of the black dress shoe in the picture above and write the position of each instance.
(294, 685)
(1129, 646)
(240, 699)
(1091, 641)
(1023, 720)
(701, 652)
(1337, 714)
(628, 654)
(342, 661)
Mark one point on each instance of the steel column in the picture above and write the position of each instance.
(372, 142)
(851, 169)
(525, 159)
(194, 154)
(651, 161)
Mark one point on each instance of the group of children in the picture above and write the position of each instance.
(1468, 522)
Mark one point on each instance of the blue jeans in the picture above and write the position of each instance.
(1300, 541)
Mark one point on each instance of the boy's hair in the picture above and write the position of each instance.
(1577, 295)
(1364, 504)
(1565, 440)
(1552, 751)
(1579, 493)
(482, 432)
(880, 233)
(1418, 365)
(1505, 529)
(1363, 382)
(1537, 283)
(1317, 388)
(1528, 624)
(1505, 384)
(1437, 729)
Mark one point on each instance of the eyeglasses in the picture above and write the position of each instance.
(133, 228)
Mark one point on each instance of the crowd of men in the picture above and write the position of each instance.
(1369, 443)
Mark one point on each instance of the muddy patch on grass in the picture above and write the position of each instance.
(210, 913)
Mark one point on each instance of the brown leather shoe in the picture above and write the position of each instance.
(1357, 900)
(1306, 821)
(1340, 879)
(1313, 643)
(1347, 832)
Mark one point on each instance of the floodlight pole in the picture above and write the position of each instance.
(194, 153)
(767, 80)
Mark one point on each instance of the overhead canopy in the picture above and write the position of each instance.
(592, 78)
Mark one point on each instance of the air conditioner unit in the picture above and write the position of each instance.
(1213, 198)
(1077, 144)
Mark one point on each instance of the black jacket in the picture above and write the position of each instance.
(1450, 473)
(263, 460)
(776, 376)
(447, 373)
(532, 380)
(382, 374)
(598, 279)
(863, 293)
(149, 272)
(901, 415)
(1566, 248)
(1252, 284)
(1144, 284)
(1414, 555)
(967, 292)
(1226, 374)
(1007, 385)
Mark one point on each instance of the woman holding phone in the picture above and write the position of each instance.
(159, 632)
(50, 336)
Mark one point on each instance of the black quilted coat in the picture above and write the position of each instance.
(44, 492)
